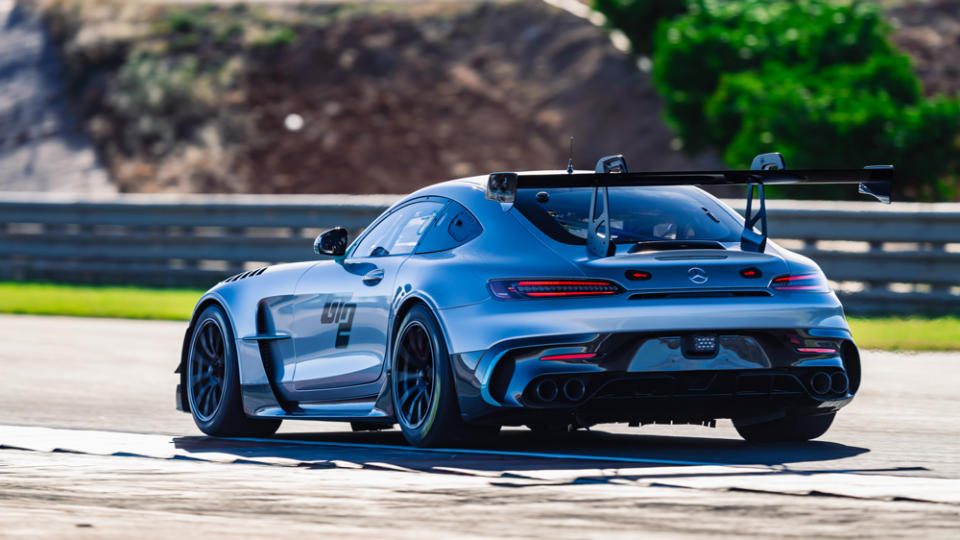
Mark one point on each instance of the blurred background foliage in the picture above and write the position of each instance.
(638, 19)
(817, 80)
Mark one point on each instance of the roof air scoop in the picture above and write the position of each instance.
(502, 187)
(599, 241)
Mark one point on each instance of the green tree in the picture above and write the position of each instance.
(638, 19)
(817, 80)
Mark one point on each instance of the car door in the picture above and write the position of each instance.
(340, 325)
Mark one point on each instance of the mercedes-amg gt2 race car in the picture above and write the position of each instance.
(547, 299)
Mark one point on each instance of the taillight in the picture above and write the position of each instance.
(816, 350)
(508, 289)
(574, 356)
(810, 282)
(637, 275)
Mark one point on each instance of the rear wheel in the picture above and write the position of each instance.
(786, 429)
(213, 381)
(424, 398)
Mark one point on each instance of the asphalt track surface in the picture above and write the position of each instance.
(90, 445)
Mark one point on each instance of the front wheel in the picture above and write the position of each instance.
(786, 429)
(213, 381)
(424, 398)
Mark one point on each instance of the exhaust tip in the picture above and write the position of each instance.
(820, 383)
(839, 382)
(574, 389)
(547, 390)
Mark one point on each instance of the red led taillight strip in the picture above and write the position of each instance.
(577, 356)
(568, 293)
(786, 283)
(787, 279)
(543, 288)
(563, 283)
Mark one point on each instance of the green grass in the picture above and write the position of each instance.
(900, 333)
(891, 333)
(92, 301)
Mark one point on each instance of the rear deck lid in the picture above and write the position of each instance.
(687, 269)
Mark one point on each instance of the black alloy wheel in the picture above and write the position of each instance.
(415, 373)
(207, 370)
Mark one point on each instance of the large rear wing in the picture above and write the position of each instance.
(611, 171)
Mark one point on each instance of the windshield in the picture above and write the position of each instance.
(637, 214)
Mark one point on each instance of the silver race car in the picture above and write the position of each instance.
(546, 299)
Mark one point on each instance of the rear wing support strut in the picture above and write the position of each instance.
(600, 243)
(749, 239)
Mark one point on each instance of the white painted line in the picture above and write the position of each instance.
(689, 474)
(509, 453)
(390, 466)
(467, 472)
(162, 446)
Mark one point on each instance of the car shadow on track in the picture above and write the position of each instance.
(518, 450)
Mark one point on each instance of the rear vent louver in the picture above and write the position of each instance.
(244, 275)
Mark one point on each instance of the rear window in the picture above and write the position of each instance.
(637, 214)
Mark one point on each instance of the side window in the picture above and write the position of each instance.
(399, 232)
(454, 227)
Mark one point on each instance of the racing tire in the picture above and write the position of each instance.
(422, 386)
(786, 429)
(213, 381)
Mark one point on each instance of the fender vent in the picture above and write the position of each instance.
(244, 275)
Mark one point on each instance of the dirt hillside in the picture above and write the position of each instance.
(386, 99)
(930, 33)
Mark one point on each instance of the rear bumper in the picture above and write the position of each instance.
(654, 377)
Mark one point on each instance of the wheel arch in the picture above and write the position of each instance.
(203, 304)
(404, 307)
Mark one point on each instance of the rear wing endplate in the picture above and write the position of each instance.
(611, 171)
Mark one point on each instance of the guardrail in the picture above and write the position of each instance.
(883, 259)
(899, 258)
(163, 240)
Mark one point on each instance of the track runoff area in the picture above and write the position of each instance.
(102, 452)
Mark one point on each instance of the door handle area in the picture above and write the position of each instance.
(373, 277)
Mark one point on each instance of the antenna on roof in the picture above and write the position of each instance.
(570, 161)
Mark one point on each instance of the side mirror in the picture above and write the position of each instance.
(332, 242)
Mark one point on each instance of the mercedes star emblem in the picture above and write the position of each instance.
(697, 275)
